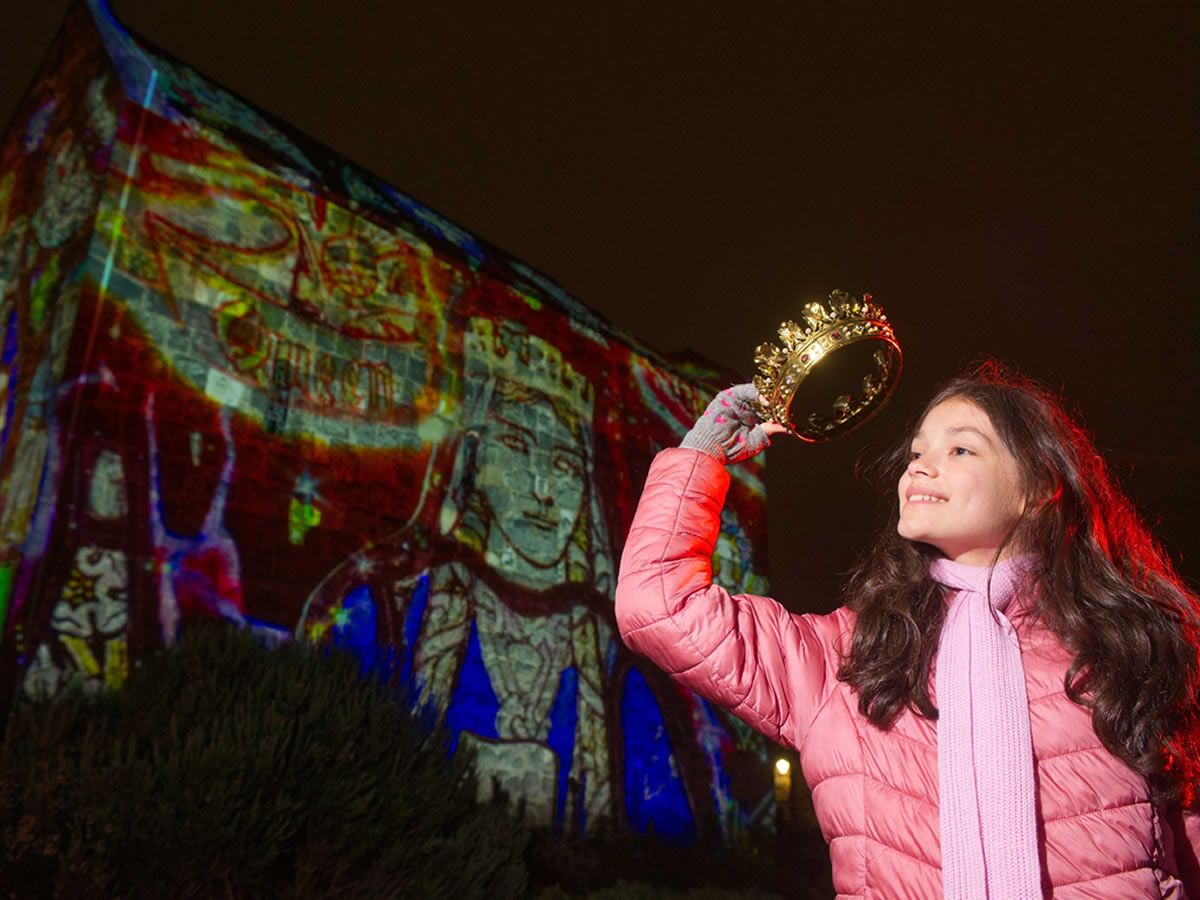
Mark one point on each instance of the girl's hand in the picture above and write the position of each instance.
(729, 431)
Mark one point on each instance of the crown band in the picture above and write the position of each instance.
(823, 331)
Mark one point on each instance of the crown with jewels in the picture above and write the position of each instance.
(825, 329)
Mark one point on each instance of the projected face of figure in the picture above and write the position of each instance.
(531, 473)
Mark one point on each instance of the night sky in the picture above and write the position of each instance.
(1020, 182)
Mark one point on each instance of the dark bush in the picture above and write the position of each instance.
(612, 862)
(222, 769)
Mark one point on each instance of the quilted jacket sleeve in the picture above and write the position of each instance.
(746, 653)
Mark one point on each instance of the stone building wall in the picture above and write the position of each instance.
(246, 380)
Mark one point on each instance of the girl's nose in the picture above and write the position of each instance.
(920, 466)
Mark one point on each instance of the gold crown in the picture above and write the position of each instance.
(822, 331)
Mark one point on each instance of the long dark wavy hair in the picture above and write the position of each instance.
(1105, 588)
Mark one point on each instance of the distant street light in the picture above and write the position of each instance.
(783, 790)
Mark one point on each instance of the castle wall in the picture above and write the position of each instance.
(53, 164)
(311, 407)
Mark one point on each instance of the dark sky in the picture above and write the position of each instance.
(1020, 181)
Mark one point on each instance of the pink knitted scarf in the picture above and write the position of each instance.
(985, 753)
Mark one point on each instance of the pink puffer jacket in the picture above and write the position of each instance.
(876, 793)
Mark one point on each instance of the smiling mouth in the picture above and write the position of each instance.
(926, 498)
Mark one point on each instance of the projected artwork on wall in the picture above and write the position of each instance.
(243, 380)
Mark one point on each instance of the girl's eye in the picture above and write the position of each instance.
(962, 451)
(914, 454)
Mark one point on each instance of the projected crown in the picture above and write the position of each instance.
(507, 350)
(825, 330)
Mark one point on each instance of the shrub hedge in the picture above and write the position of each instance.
(224, 769)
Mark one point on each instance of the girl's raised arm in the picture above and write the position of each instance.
(746, 653)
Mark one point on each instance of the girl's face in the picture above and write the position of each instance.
(962, 489)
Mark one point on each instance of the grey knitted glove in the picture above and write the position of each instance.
(729, 430)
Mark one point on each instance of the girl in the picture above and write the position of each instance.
(1007, 705)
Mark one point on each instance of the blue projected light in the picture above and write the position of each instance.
(412, 626)
(714, 739)
(654, 794)
(354, 624)
(474, 705)
(9, 362)
(564, 717)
